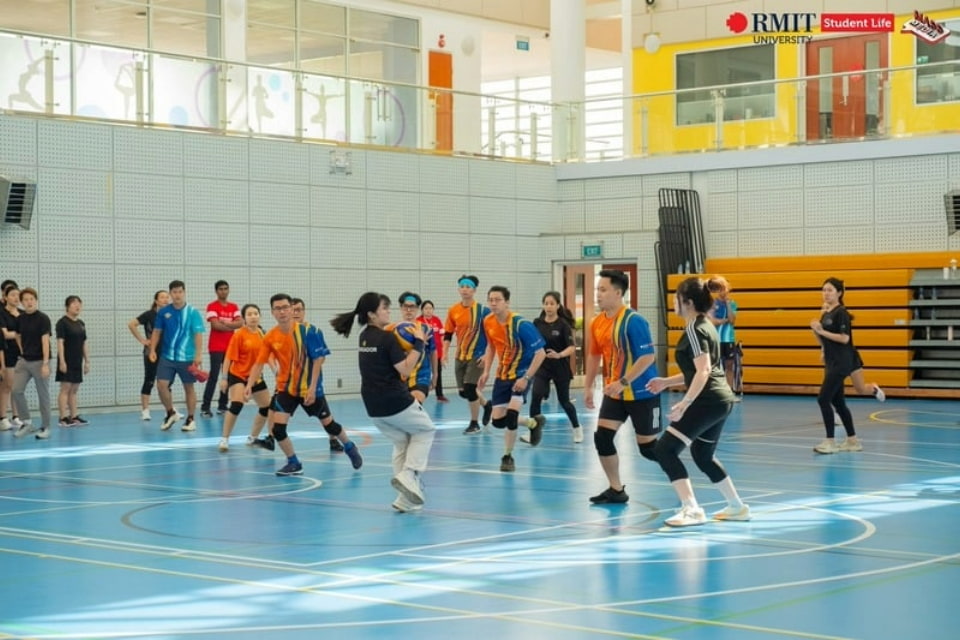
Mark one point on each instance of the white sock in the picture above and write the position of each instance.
(730, 493)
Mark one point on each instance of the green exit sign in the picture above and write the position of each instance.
(523, 44)
(592, 250)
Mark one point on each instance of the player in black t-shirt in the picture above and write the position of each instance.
(73, 361)
(697, 420)
(9, 326)
(147, 319)
(34, 364)
(383, 368)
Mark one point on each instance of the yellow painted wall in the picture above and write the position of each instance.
(656, 73)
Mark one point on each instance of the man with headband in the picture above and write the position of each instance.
(465, 321)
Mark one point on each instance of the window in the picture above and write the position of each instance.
(726, 67)
(938, 70)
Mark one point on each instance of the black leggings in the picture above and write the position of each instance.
(541, 389)
(701, 426)
(439, 388)
(149, 376)
(831, 397)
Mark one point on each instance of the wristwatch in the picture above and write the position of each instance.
(624, 382)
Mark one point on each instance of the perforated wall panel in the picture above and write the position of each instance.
(26, 274)
(139, 242)
(390, 249)
(99, 386)
(537, 216)
(536, 182)
(18, 244)
(200, 284)
(332, 207)
(529, 256)
(832, 240)
(101, 336)
(911, 203)
(439, 251)
(128, 372)
(393, 210)
(653, 183)
(912, 237)
(622, 214)
(89, 281)
(444, 212)
(650, 210)
(279, 203)
(441, 287)
(954, 172)
(74, 193)
(570, 190)
(722, 243)
(495, 216)
(572, 216)
(719, 211)
(499, 252)
(838, 174)
(787, 241)
(553, 249)
(218, 158)
(912, 169)
(77, 145)
(341, 373)
(526, 291)
(275, 161)
(781, 178)
(147, 151)
(771, 209)
(270, 280)
(835, 206)
(336, 289)
(489, 179)
(221, 200)
(137, 195)
(391, 282)
(444, 175)
(69, 240)
(334, 248)
(18, 140)
(393, 172)
(124, 343)
(223, 244)
(640, 245)
(721, 181)
(618, 187)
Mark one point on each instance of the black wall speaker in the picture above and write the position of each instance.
(16, 200)
(951, 202)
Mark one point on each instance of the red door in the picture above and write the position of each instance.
(849, 106)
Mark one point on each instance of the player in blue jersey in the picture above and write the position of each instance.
(423, 377)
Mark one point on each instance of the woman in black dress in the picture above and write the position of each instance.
(73, 361)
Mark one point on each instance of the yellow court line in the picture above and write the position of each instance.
(876, 417)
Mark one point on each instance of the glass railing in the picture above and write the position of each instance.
(87, 80)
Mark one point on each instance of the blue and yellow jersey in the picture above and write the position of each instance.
(515, 342)
(467, 324)
(621, 341)
(294, 353)
(323, 352)
(422, 373)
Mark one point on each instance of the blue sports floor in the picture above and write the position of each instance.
(119, 530)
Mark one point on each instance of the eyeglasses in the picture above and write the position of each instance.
(285, 307)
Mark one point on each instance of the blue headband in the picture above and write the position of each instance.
(467, 282)
(408, 299)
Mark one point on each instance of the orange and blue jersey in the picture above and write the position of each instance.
(293, 353)
(323, 351)
(422, 372)
(620, 341)
(515, 342)
(467, 324)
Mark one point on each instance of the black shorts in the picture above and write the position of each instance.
(232, 380)
(73, 375)
(319, 409)
(644, 414)
(727, 350)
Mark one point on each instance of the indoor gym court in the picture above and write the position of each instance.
(119, 530)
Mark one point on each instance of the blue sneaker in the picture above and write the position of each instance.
(353, 452)
(291, 469)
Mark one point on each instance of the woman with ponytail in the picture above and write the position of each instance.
(384, 367)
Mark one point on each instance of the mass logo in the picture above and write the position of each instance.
(925, 28)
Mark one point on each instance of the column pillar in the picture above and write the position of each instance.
(568, 58)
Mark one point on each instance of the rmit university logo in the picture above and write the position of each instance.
(774, 28)
(926, 29)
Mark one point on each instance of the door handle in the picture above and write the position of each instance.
(845, 93)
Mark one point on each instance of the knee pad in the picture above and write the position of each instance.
(235, 408)
(500, 423)
(279, 432)
(703, 456)
(667, 452)
(334, 428)
(603, 441)
(649, 450)
(470, 392)
(263, 411)
(513, 417)
(462, 393)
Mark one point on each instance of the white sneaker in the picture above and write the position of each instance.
(145, 415)
(741, 514)
(525, 438)
(850, 444)
(189, 425)
(827, 446)
(687, 517)
(5, 425)
(578, 434)
(17, 422)
(43, 434)
(169, 421)
(878, 393)
(178, 414)
(403, 505)
(25, 429)
(224, 446)
(407, 483)
(251, 441)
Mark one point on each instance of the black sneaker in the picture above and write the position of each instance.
(267, 443)
(487, 412)
(205, 413)
(291, 469)
(221, 411)
(611, 496)
(536, 433)
(77, 421)
(353, 452)
(472, 429)
(507, 463)
(335, 445)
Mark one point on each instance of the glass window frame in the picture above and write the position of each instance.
(758, 90)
